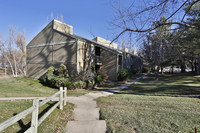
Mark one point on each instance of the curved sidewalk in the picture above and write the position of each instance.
(86, 113)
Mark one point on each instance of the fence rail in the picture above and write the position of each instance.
(35, 111)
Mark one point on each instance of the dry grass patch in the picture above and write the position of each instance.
(149, 114)
(54, 123)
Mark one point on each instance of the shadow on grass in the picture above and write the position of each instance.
(169, 90)
(167, 85)
(25, 127)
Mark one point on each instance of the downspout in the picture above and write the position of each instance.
(117, 63)
(122, 61)
(77, 56)
(52, 42)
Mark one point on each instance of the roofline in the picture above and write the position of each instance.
(62, 23)
(93, 42)
(41, 31)
(115, 51)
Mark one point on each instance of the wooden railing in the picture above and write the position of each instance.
(35, 122)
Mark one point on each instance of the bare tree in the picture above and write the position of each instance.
(21, 45)
(143, 16)
(13, 49)
(155, 48)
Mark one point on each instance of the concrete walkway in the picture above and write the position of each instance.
(86, 113)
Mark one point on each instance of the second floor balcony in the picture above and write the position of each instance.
(98, 60)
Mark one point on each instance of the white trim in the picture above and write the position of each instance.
(122, 61)
(62, 23)
(77, 56)
(48, 44)
(117, 63)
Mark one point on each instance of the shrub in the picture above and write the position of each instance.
(49, 78)
(67, 83)
(86, 79)
(50, 70)
(62, 71)
(144, 70)
(103, 74)
(57, 78)
(123, 74)
(131, 72)
(84, 76)
(91, 83)
(99, 79)
(79, 84)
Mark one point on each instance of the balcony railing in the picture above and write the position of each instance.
(98, 60)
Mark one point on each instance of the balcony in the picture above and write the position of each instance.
(98, 60)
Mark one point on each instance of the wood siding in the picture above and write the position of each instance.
(109, 64)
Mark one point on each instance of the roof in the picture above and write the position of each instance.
(91, 42)
(76, 37)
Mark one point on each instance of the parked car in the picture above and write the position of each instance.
(166, 69)
(188, 69)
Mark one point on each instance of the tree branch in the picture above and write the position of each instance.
(189, 9)
(150, 8)
(151, 29)
(177, 10)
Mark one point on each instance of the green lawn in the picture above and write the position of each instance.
(23, 87)
(55, 122)
(140, 109)
(109, 85)
(27, 87)
(167, 85)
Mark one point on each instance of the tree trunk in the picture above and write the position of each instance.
(156, 72)
(192, 64)
(198, 70)
(172, 68)
(182, 68)
(161, 70)
(195, 66)
(15, 66)
(10, 66)
(5, 71)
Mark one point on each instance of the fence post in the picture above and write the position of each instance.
(61, 98)
(195, 130)
(34, 121)
(65, 95)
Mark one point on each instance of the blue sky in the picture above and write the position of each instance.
(86, 16)
(32, 15)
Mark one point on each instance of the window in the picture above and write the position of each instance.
(97, 51)
(120, 60)
(97, 67)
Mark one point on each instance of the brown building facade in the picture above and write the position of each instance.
(56, 44)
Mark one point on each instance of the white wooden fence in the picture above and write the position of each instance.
(35, 110)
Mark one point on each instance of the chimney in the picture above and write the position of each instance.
(105, 42)
(125, 49)
(62, 27)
